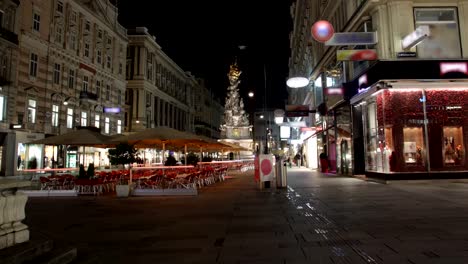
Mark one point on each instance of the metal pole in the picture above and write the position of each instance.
(185, 154)
(426, 133)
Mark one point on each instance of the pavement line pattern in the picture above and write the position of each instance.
(325, 228)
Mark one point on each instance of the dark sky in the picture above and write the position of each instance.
(203, 37)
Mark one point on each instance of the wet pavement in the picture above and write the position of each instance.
(317, 219)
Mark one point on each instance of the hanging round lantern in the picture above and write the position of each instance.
(322, 31)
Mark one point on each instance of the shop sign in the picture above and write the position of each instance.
(446, 67)
(415, 37)
(16, 126)
(322, 30)
(297, 110)
(285, 132)
(356, 55)
(112, 110)
(362, 83)
(304, 129)
(334, 91)
(352, 38)
(406, 54)
(297, 124)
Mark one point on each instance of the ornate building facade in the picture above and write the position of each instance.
(159, 92)
(9, 28)
(71, 68)
(208, 111)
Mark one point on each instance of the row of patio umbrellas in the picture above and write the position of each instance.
(160, 137)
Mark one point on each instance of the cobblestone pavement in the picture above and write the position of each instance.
(317, 219)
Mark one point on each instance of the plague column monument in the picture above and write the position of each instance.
(236, 128)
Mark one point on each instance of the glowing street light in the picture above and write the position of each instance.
(297, 82)
(279, 116)
(261, 116)
(251, 94)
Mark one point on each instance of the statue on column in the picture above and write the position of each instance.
(234, 114)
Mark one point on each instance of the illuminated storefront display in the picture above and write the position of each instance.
(411, 124)
(415, 129)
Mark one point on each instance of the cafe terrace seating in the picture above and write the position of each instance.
(161, 177)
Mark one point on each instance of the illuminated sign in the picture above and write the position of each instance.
(352, 38)
(415, 37)
(304, 129)
(112, 110)
(356, 55)
(446, 67)
(333, 91)
(362, 80)
(16, 126)
(285, 132)
(322, 31)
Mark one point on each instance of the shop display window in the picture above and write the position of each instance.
(413, 146)
(453, 150)
(371, 136)
(398, 120)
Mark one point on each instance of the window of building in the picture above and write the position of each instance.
(98, 88)
(59, 6)
(453, 145)
(120, 68)
(100, 34)
(71, 79)
(31, 111)
(84, 119)
(55, 115)
(5, 65)
(36, 21)
(72, 41)
(86, 50)
(1, 18)
(108, 91)
(99, 57)
(106, 125)
(73, 17)
(69, 118)
(149, 67)
(58, 34)
(33, 65)
(87, 26)
(119, 126)
(109, 61)
(2, 107)
(444, 39)
(97, 121)
(109, 41)
(85, 83)
(119, 97)
(148, 99)
(57, 72)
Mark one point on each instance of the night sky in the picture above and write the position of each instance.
(203, 37)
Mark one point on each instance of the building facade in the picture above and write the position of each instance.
(208, 111)
(158, 90)
(354, 125)
(9, 28)
(70, 70)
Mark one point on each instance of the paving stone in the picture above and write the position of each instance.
(321, 219)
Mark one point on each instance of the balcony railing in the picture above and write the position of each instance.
(88, 96)
(8, 35)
